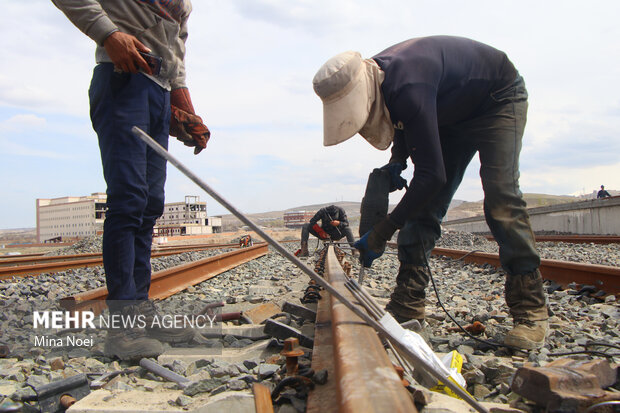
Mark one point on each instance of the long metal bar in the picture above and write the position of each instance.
(168, 282)
(413, 357)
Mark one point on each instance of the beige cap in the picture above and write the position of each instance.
(342, 85)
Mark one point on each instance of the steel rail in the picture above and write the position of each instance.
(604, 277)
(574, 239)
(56, 263)
(172, 280)
(365, 379)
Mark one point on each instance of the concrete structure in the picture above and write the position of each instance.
(187, 218)
(595, 216)
(295, 219)
(70, 217)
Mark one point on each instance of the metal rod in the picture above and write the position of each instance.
(414, 358)
(164, 372)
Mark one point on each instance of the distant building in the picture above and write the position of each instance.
(295, 219)
(186, 218)
(70, 217)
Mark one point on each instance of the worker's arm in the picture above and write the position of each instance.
(418, 114)
(185, 125)
(320, 215)
(122, 48)
(342, 219)
(421, 136)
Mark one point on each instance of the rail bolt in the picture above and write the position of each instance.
(291, 351)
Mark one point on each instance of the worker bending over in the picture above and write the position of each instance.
(437, 101)
(334, 226)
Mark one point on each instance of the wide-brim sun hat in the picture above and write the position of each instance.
(342, 85)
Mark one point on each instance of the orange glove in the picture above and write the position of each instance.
(319, 230)
(185, 125)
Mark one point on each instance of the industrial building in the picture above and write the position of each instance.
(70, 217)
(295, 219)
(186, 218)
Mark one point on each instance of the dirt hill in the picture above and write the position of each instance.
(472, 209)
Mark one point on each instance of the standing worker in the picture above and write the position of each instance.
(139, 80)
(334, 226)
(602, 193)
(438, 100)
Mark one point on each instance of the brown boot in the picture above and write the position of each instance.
(157, 330)
(526, 300)
(407, 302)
(131, 344)
(304, 250)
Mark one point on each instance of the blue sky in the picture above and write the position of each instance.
(250, 65)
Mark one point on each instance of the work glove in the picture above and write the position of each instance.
(322, 234)
(396, 181)
(185, 125)
(372, 244)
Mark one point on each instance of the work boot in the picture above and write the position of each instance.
(304, 249)
(131, 344)
(407, 302)
(525, 298)
(155, 329)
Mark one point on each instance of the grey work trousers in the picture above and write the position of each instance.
(496, 136)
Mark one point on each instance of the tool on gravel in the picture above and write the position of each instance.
(105, 377)
(389, 331)
(164, 372)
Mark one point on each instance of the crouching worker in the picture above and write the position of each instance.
(438, 101)
(334, 226)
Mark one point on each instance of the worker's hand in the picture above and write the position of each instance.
(335, 223)
(185, 125)
(372, 244)
(123, 49)
(320, 232)
(396, 181)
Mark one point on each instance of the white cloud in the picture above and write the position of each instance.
(23, 121)
(250, 64)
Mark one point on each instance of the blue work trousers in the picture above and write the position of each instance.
(496, 136)
(135, 175)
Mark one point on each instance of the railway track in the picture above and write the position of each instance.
(603, 277)
(352, 353)
(362, 376)
(25, 266)
(172, 280)
(574, 239)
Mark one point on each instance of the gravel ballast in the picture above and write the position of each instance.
(469, 293)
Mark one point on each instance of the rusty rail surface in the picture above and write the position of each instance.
(604, 277)
(172, 280)
(25, 266)
(365, 379)
(574, 239)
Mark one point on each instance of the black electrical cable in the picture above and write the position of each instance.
(590, 352)
(488, 343)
